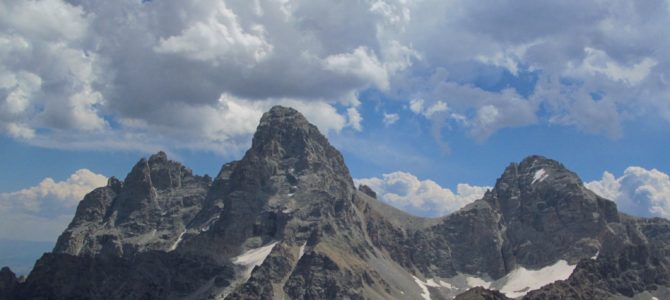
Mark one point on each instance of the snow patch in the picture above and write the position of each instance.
(176, 243)
(254, 257)
(476, 281)
(595, 256)
(209, 223)
(445, 284)
(425, 294)
(540, 175)
(515, 284)
(301, 252)
(520, 281)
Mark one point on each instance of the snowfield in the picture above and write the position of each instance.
(515, 284)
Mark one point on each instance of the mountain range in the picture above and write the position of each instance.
(286, 221)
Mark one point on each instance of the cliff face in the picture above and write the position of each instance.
(286, 221)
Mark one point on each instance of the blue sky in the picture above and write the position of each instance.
(428, 100)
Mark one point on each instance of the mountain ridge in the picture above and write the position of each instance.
(287, 221)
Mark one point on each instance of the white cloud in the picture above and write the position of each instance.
(72, 70)
(638, 191)
(389, 119)
(355, 118)
(219, 37)
(437, 107)
(360, 63)
(46, 79)
(421, 197)
(42, 212)
(156, 70)
(416, 106)
(598, 62)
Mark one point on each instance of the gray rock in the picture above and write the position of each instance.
(480, 293)
(149, 210)
(8, 284)
(164, 233)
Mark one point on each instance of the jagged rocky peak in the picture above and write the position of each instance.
(290, 171)
(535, 181)
(286, 137)
(159, 172)
(8, 283)
(547, 214)
(147, 211)
(535, 171)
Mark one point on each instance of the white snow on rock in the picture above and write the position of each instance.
(521, 281)
(425, 294)
(476, 281)
(515, 284)
(595, 256)
(176, 243)
(254, 257)
(301, 252)
(539, 176)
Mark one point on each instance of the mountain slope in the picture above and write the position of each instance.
(287, 222)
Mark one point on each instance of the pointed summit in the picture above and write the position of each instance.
(285, 136)
(546, 209)
(285, 132)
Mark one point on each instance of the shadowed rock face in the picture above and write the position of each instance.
(286, 221)
(147, 211)
(8, 283)
(547, 214)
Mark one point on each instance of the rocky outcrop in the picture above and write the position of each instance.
(286, 222)
(149, 210)
(634, 264)
(8, 284)
(147, 275)
(480, 293)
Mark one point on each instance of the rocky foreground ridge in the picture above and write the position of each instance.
(287, 222)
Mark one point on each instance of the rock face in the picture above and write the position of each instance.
(480, 293)
(287, 222)
(8, 283)
(149, 210)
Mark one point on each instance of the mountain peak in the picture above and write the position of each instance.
(158, 157)
(281, 115)
(285, 135)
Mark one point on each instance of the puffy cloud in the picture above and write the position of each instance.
(125, 70)
(638, 191)
(355, 118)
(421, 197)
(46, 79)
(389, 119)
(42, 212)
(140, 74)
(218, 38)
(572, 50)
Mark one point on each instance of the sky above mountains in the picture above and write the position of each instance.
(428, 100)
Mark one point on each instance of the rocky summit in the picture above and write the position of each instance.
(287, 222)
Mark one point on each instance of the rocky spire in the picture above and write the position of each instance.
(285, 136)
(546, 209)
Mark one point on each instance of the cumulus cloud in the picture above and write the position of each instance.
(147, 74)
(42, 212)
(217, 38)
(422, 197)
(137, 73)
(638, 191)
(389, 119)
